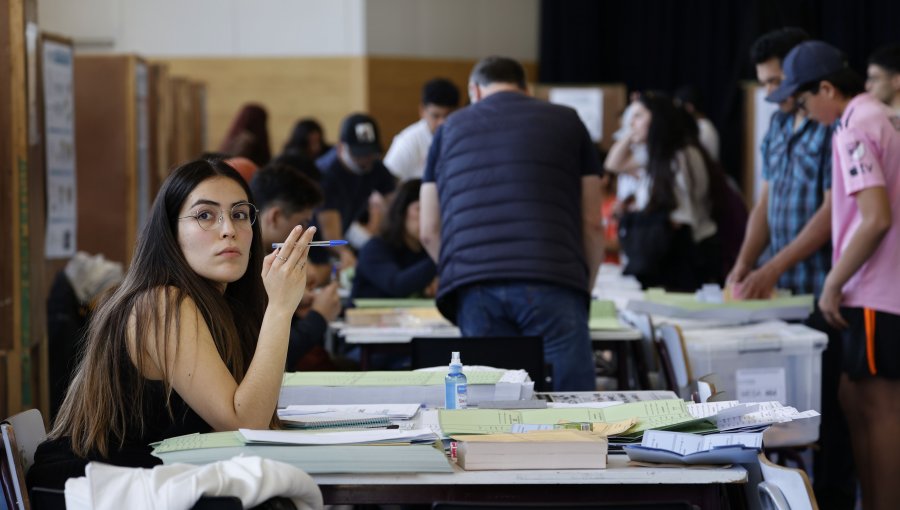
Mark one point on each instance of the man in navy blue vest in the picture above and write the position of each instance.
(510, 209)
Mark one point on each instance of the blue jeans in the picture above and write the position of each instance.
(557, 314)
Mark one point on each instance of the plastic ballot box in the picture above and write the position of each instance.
(768, 361)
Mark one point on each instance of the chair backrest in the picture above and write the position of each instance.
(771, 497)
(606, 505)
(644, 323)
(518, 352)
(30, 432)
(670, 336)
(12, 471)
(785, 485)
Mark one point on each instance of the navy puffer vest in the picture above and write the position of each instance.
(508, 172)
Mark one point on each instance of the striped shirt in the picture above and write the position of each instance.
(797, 165)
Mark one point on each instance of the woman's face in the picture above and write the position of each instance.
(640, 123)
(222, 252)
(314, 141)
(412, 221)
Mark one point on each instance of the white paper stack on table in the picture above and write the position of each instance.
(406, 387)
(781, 425)
(359, 416)
(367, 451)
(612, 285)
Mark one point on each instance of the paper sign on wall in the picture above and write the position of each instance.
(761, 385)
(588, 102)
(59, 140)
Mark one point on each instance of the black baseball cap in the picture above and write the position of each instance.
(360, 133)
(809, 61)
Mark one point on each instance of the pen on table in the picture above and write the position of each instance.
(335, 242)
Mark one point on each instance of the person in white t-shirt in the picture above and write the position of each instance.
(406, 157)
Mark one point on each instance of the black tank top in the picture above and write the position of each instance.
(55, 462)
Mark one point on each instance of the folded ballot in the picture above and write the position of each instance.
(681, 448)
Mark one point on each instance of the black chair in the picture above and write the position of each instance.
(55, 499)
(517, 352)
(663, 505)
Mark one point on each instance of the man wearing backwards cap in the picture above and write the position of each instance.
(354, 182)
(860, 295)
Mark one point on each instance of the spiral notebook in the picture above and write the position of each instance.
(336, 420)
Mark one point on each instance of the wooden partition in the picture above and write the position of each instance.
(160, 121)
(757, 114)
(21, 294)
(111, 156)
(289, 88)
(198, 117)
(614, 100)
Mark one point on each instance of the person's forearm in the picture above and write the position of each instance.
(593, 251)
(257, 394)
(620, 159)
(815, 234)
(430, 219)
(400, 283)
(756, 237)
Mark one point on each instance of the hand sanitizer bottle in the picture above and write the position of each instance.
(455, 390)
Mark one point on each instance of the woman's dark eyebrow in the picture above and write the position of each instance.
(205, 201)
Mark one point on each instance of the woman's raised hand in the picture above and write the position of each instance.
(284, 270)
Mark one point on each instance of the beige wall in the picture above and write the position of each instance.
(325, 88)
(289, 88)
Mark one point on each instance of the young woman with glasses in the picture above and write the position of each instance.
(194, 339)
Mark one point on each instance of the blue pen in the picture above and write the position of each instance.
(336, 242)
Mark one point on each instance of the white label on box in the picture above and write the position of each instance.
(761, 385)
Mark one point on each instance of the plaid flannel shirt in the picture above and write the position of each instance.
(797, 166)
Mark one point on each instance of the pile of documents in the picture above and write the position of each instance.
(407, 387)
(346, 416)
(654, 414)
(688, 306)
(550, 449)
(365, 451)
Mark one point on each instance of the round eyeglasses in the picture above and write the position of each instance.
(243, 215)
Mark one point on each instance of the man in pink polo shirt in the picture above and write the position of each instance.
(861, 294)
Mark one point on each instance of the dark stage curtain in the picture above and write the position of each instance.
(664, 44)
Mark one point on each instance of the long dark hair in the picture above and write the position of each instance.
(395, 227)
(299, 140)
(248, 135)
(100, 405)
(665, 137)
